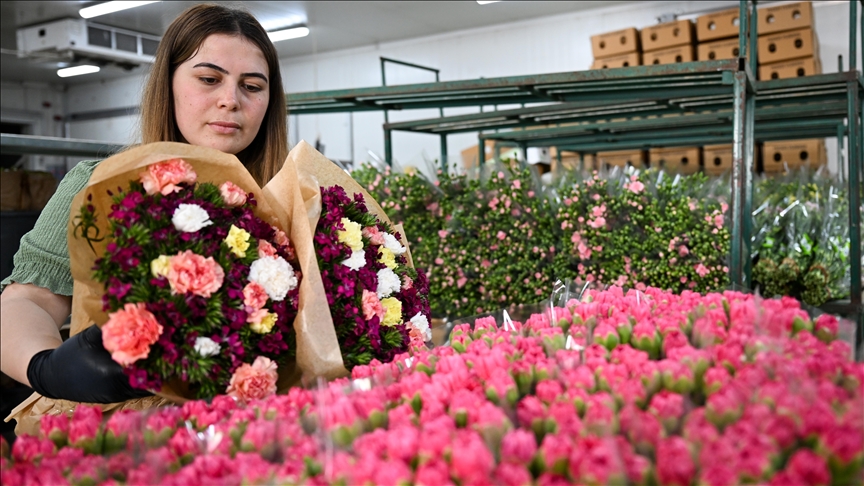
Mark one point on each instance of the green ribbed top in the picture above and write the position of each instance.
(43, 256)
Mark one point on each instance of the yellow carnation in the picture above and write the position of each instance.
(159, 266)
(386, 256)
(392, 311)
(352, 235)
(238, 241)
(265, 325)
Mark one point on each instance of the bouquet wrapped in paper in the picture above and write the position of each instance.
(204, 283)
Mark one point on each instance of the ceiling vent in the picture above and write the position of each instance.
(78, 39)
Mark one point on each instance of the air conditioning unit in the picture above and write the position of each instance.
(77, 39)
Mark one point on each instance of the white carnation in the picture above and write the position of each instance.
(422, 324)
(388, 282)
(274, 274)
(392, 244)
(206, 347)
(190, 218)
(356, 261)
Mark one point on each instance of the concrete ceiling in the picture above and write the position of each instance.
(333, 25)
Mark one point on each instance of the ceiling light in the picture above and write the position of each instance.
(77, 70)
(486, 2)
(290, 33)
(107, 8)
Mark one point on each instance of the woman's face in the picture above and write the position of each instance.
(221, 93)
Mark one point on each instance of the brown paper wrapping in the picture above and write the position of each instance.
(291, 200)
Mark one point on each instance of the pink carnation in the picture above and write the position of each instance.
(372, 305)
(164, 177)
(130, 332)
(232, 194)
(189, 272)
(265, 249)
(674, 463)
(375, 236)
(257, 380)
(254, 296)
(636, 187)
(702, 270)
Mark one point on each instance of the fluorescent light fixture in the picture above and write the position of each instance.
(289, 33)
(487, 2)
(107, 8)
(77, 70)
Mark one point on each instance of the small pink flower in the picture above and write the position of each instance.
(702, 270)
(189, 272)
(517, 184)
(130, 332)
(375, 236)
(636, 187)
(674, 463)
(597, 223)
(254, 296)
(442, 234)
(257, 380)
(164, 177)
(280, 237)
(718, 221)
(372, 305)
(683, 251)
(265, 249)
(232, 194)
(501, 235)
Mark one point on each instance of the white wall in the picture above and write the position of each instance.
(35, 105)
(545, 45)
(106, 95)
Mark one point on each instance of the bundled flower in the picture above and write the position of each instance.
(378, 302)
(197, 287)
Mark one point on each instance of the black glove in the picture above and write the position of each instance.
(81, 370)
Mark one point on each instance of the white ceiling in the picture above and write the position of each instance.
(334, 25)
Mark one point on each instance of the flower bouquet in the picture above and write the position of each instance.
(378, 301)
(196, 285)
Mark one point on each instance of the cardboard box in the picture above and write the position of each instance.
(717, 25)
(615, 43)
(790, 69)
(724, 49)
(718, 158)
(569, 160)
(621, 158)
(682, 160)
(664, 36)
(624, 60)
(469, 155)
(790, 16)
(670, 56)
(784, 46)
(777, 156)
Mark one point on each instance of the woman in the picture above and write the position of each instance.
(215, 83)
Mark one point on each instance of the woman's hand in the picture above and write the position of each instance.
(32, 352)
(81, 370)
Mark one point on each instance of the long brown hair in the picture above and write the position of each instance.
(265, 155)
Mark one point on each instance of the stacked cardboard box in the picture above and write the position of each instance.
(621, 158)
(792, 154)
(718, 158)
(681, 160)
(616, 49)
(787, 44)
(668, 43)
(717, 33)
